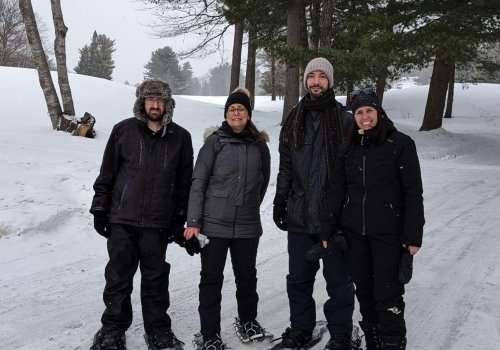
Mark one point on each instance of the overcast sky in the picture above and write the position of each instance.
(121, 21)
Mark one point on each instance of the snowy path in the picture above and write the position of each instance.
(453, 301)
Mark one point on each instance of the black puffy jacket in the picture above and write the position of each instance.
(145, 176)
(377, 190)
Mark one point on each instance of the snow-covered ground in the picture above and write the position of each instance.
(52, 262)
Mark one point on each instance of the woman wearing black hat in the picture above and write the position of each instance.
(230, 180)
(376, 199)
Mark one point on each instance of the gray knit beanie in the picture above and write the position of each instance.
(154, 88)
(321, 64)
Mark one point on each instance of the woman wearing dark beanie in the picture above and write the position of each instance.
(230, 180)
(376, 200)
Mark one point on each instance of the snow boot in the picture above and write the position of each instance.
(393, 342)
(340, 341)
(108, 341)
(372, 335)
(295, 338)
(163, 340)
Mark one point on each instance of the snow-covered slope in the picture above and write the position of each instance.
(52, 262)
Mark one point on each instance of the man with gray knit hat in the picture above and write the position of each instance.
(309, 141)
(140, 203)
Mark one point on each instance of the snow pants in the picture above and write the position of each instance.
(373, 263)
(338, 308)
(129, 246)
(213, 259)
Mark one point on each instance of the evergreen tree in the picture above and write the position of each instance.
(186, 75)
(165, 66)
(96, 58)
(219, 80)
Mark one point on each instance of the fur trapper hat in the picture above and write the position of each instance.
(154, 88)
(241, 96)
(321, 64)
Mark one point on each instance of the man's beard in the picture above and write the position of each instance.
(154, 117)
(318, 94)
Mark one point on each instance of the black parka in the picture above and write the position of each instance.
(377, 190)
(230, 180)
(145, 176)
(294, 184)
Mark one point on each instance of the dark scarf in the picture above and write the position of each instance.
(239, 135)
(294, 127)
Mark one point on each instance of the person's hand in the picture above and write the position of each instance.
(279, 217)
(412, 249)
(190, 232)
(101, 223)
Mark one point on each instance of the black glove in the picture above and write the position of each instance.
(176, 233)
(101, 223)
(279, 217)
(192, 246)
(337, 241)
(405, 267)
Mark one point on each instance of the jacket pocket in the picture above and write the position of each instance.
(295, 213)
(215, 202)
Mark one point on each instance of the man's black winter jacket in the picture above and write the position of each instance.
(294, 185)
(145, 176)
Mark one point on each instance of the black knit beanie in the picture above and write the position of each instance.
(241, 96)
(365, 100)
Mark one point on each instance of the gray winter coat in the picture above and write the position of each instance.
(229, 182)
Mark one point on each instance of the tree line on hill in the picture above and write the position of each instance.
(368, 42)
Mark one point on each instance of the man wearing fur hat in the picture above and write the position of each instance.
(309, 142)
(140, 201)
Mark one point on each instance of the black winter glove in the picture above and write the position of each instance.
(101, 223)
(336, 242)
(192, 246)
(279, 217)
(176, 233)
(405, 267)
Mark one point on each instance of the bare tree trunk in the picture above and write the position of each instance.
(294, 21)
(315, 16)
(381, 80)
(451, 93)
(42, 66)
(327, 11)
(60, 51)
(433, 116)
(348, 101)
(250, 73)
(273, 78)
(236, 60)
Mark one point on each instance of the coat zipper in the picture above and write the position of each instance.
(150, 148)
(364, 195)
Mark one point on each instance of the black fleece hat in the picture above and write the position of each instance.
(241, 96)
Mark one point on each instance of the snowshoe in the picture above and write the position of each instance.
(306, 342)
(107, 341)
(214, 343)
(250, 331)
(163, 341)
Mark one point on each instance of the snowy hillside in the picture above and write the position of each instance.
(52, 261)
